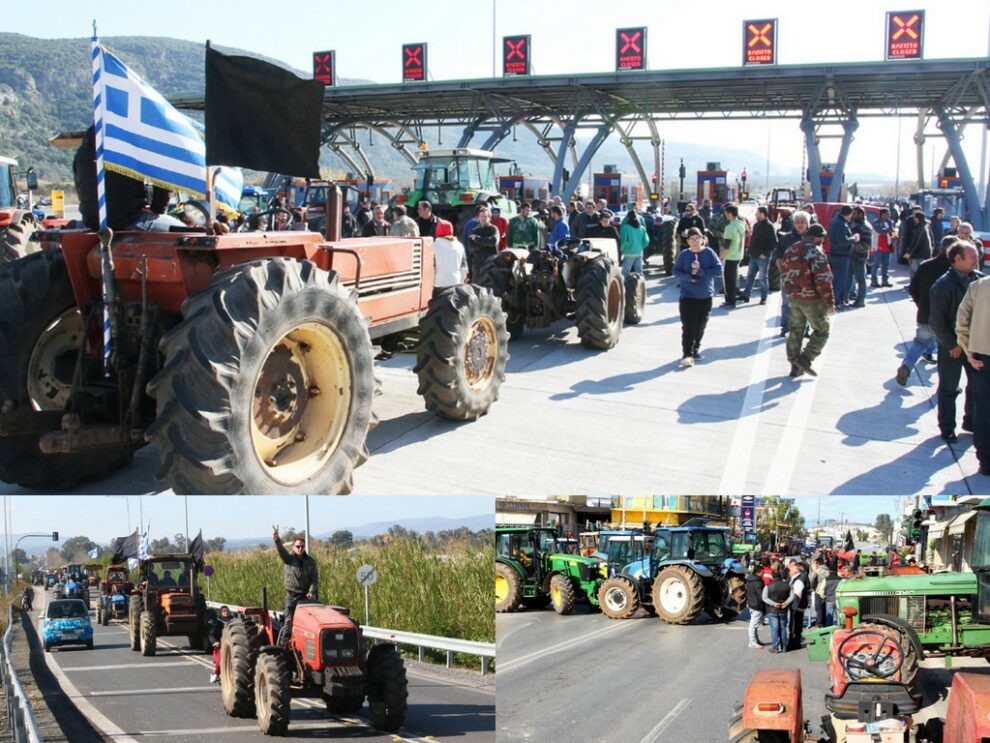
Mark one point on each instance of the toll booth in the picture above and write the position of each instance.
(524, 187)
(617, 189)
(827, 174)
(948, 178)
(718, 185)
(379, 191)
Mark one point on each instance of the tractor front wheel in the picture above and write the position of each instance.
(462, 352)
(134, 609)
(635, 286)
(562, 594)
(601, 299)
(237, 668)
(41, 332)
(387, 688)
(272, 694)
(678, 595)
(149, 638)
(267, 385)
(736, 590)
(15, 243)
(618, 598)
(492, 276)
(508, 588)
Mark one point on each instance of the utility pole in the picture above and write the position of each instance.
(185, 501)
(307, 522)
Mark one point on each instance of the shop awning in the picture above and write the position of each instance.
(937, 529)
(958, 524)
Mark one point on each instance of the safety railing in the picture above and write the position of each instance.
(20, 715)
(449, 645)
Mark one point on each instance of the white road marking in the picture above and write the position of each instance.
(151, 692)
(308, 724)
(446, 682)
(744, 438)
(654, 734)
(118, 666)
(523, 660)
(501, 637)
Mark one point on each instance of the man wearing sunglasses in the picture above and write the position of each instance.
(299, 573)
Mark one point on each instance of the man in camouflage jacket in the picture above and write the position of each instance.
(806, 279)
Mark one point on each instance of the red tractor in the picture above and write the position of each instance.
(247, 359)
(873, 696)
(115, 591)
(320, 654)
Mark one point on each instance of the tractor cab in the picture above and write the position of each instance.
(168, 603)
(980, 562)
(525, 546)
(705, 545)
(462, 174)
(629, 554)
(8, 183)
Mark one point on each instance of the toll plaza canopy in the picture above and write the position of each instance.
(630, 103)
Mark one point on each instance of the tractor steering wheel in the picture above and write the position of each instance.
(268, 213)
(876, 664)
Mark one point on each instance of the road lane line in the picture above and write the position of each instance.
(445, 682)
(654, 734)
(118, 666)
(744, 437)
(523, 660)
(152, 692)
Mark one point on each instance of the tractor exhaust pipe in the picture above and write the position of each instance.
(954, 614)
(264, 598)
(335, 211)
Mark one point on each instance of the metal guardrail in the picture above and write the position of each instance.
(20, 716)
(450, 645)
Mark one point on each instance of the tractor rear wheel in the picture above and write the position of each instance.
(678, 595)
(562, 594)
(601, 299)
(15, 243)
(635, 298)
(237, 668)
(491, 277)
(344, 705)
(740, 734)
(272, 694)
(462, 352)
(99, 612)
(267, 384)
(134, 609)
(508, 588)
(149, 637)
(618, 598)
(41, 331)
(386, 688)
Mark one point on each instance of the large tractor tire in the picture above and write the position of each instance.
(618, 598)
(462, 352)
(490, 277)
(272, 693)
(386, 688)
(562, 594)
(678, 595)
(134, 609)
(740, 734)
(15, 242)
(237, 668)
(149, 635)
(99, 613)
(635, 286)
(736, 590)
(267, 385)
(40, 334)
(601, 300)
(508, 588)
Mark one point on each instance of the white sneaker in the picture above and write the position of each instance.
(687, 361)
(214, 678)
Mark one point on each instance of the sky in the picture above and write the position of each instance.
(102, 518)
(860, 509)
(566, 38)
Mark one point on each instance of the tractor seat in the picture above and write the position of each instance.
(847, 706)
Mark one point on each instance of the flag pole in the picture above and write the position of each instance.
(211, 205)
(106, 257)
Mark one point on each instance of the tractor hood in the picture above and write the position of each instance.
(936, 584)
(309, 619)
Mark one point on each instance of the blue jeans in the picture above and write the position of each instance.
(785, 309)
(778, 631)
(980, 386)
(762, 267)
(840, 277)
(881, 261)
(632, 264)
(755, 620)
(830, 615)
(858, 270)
(913, 264)
(924, 342)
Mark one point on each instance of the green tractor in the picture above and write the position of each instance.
(531, 571)
(942, 614)
(456, 182)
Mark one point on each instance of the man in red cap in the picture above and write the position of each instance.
(449, 259)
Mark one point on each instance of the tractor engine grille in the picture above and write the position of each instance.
(911, 609)
(339, 647)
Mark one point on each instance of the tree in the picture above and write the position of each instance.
(19, 556)
(862, 535)
(160, 546)
(216, 544)
(885, 526)
(342, 539)
(76, 549)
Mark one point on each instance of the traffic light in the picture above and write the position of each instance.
(54, 536)
(916, 518)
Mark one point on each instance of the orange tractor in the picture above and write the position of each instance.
(320, 654)
(246, 358)
(873, 696)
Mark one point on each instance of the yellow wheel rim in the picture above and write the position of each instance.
(301, 403)
(501, 588)
(480, 353)
(555, 595)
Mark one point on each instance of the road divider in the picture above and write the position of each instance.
(20, 715)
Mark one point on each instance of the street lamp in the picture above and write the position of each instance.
(52, 534)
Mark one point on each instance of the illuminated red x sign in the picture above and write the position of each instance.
(323, 65)
(630, 42)
(515, 55)
(413, 56)
(759, 34)
(905, 27)
(515, 50)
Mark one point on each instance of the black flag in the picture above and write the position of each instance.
(262, 117)
(123, 548)
(196, 547)
(849, 546)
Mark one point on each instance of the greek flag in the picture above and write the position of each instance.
(94, 553)
(145, 137)
(143, 547)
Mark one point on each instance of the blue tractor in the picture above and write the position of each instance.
(688, 569)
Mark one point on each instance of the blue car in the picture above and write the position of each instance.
(66, 623)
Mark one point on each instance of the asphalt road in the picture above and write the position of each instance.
(734, 424)
(585, 678)
(129, 698)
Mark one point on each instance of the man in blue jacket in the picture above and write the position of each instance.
(840, 242)
(695, 269)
